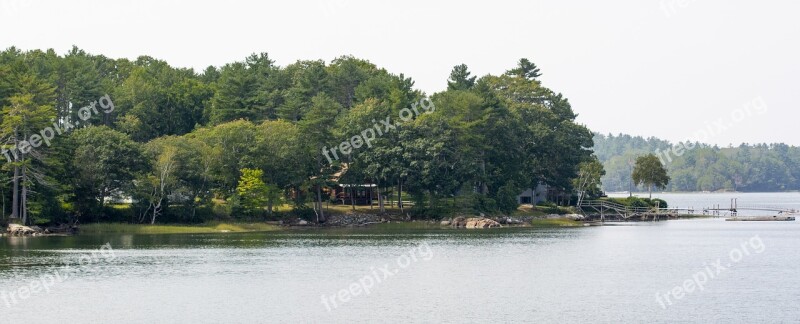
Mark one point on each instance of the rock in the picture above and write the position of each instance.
(576, 217)
(445, 223)
(459, 222)
(354, 219)
(475, 222)
(508, 220)
(302, 222)
(481, 223)
(15, 229)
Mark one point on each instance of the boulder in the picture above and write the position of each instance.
(15, 229)
(575, 217)
(459, 222)
(508, 220)
(474, 222)
(481, 223)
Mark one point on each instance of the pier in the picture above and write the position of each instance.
(608, 210)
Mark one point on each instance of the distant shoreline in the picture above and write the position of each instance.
(700, 192)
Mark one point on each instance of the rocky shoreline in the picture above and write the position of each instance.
(461, 221)
(342, 221)
(20, 230)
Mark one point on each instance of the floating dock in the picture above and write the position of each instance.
(776, 218)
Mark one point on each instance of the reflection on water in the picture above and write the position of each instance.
(591, 274)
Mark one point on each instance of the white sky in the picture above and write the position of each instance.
(630, 66)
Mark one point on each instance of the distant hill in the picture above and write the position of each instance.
(748, 167)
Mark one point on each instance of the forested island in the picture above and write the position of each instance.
(746, 168)
(95, 139)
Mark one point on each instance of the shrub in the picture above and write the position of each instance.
(639, 202)
(222, 211)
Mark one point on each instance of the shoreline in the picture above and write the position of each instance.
(340, 221)
(263, 227)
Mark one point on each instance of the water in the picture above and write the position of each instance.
(591, 274)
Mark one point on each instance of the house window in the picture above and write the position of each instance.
(525, 200)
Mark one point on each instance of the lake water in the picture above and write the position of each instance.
(630, 273)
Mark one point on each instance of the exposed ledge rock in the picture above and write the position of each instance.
(15, 229)
(474, 222)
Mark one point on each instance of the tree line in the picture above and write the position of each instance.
(747, 167)
(242, 139)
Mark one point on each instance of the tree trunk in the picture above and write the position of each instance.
(103, 194)
(15, 194)
(370, 197)
(194, 207)
(352, 198)
(484, 188)
(321, 216)
(400, 194)
(156, 211)
(24, 200)
(380, 201)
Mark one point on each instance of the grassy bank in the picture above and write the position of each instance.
(117, 228)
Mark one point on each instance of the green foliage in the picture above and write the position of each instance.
(649, 171)
(660, 203)
(507, 197)
(590, 178)
(252, 190)
(551, 208)
(639, 202)
(759, 167)
(525, 69)
(104, 164)
(460, 78)
(481, 203)
(240, 139)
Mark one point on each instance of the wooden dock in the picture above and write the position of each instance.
(606, 210)
(776, 218)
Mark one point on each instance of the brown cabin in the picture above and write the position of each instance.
(356, 194)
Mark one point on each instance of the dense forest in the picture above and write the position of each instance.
(83, 132)
(748, 167)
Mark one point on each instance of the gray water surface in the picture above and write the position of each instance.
(576, 275)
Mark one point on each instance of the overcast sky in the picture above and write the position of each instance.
(670, 68)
